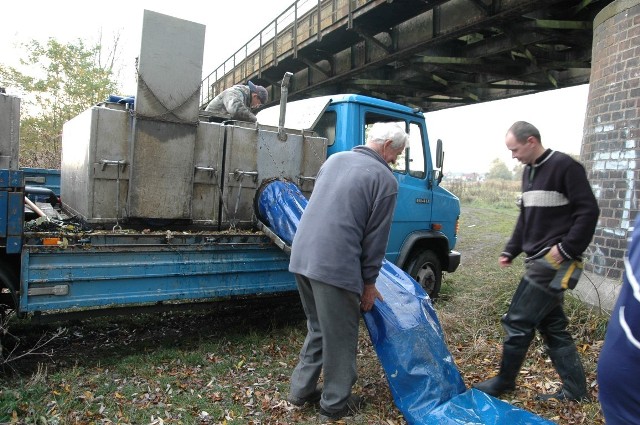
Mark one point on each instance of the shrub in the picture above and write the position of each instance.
(500, 194)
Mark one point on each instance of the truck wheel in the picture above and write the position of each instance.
(425, 268)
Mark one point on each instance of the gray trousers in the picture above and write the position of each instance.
(333, 317)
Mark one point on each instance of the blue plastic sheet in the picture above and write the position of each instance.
(279, 205)
(424, 381)
(408, 339)
(126, 100)
(406, 334)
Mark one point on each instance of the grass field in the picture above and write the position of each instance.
(216, 367)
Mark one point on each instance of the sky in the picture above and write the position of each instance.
(473, 136)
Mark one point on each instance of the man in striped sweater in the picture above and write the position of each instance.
(558, 216)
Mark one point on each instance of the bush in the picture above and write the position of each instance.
(500, 194)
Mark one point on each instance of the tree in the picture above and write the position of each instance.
(499, 171)
(517, 171)
(63, 80)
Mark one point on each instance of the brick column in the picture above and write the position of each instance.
(611, 145)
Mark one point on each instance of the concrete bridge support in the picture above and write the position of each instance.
(611, 146)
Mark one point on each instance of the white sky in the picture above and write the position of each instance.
(473, 135)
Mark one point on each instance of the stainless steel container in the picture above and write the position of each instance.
(160, 162)
(9, 131)
(94, 177)
(255, 154)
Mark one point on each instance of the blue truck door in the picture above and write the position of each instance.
(415, 198)
(412, 170)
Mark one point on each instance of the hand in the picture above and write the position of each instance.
(554, 252)
(369, 296)
(504, 261)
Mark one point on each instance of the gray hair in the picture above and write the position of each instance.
(522, 130)
(382, 131)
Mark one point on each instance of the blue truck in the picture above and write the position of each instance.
(155, 207)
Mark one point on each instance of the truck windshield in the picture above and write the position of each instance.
(411, 161)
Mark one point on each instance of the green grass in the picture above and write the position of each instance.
(208, 368)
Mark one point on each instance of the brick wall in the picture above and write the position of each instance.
(611, 139)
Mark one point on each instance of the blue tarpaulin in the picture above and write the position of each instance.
(425, 383)
(279, 205)
(406, 334)
(126, 100)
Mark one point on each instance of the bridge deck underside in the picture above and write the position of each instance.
(427, 54)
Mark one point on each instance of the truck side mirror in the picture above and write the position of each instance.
(439, 174)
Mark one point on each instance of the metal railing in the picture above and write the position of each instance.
(300, 23)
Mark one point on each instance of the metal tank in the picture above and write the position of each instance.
(9, 131)
(258, 153)
(94, 178)
(159, 164)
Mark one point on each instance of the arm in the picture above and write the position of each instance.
(584, 213)
(235, 106)
(376, 236)
(514, 245)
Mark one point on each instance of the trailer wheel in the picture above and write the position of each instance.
(425, 268)
(8, 282)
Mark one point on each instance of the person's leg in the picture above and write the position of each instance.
(530, 304)
(564, 356)
(338, 313)
(306, 373)
(515, 346)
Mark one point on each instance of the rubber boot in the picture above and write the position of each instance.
(574, 383)
(506, 379)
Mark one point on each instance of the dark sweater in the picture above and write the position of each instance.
(558, 207)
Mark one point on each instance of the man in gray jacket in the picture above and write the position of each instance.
(336, 256)
(236, 102)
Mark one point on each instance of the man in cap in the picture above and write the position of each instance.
(237, 102)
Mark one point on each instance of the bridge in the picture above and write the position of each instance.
(429, 54)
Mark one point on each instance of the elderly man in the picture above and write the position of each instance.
(237, 102)
(336, 256)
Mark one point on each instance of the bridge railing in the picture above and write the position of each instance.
(299, 24)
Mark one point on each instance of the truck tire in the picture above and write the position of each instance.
(425, 268)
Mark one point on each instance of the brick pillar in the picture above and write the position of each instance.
(611, 145)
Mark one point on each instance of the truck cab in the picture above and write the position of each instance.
(425, 223)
